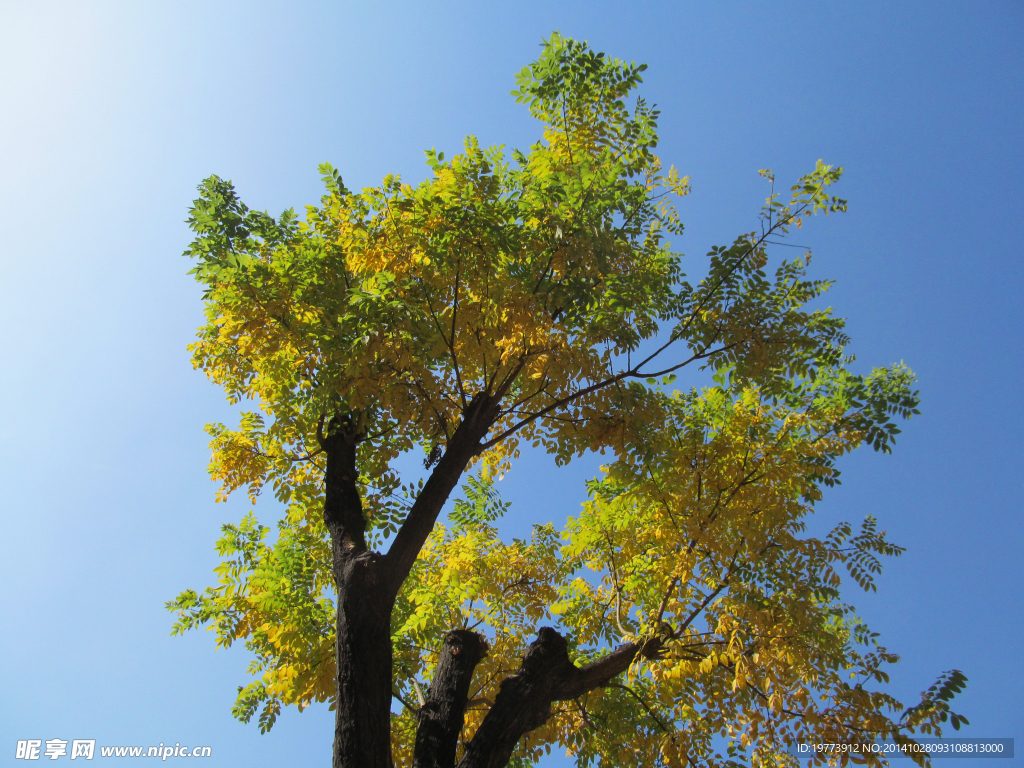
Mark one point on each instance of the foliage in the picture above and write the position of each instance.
(544, 277)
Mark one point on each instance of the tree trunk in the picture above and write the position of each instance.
(522, 704)
(524, 700)
(362, 722)
(368, 584)
(441, 717)
(362, 718)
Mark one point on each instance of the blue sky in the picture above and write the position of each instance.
(112, 112)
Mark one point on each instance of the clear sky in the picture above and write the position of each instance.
(112, 112)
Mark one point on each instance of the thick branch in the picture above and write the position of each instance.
(343, 507)
(524, 700)
(477, 419)
(441, 716)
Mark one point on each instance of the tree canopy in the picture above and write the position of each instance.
(532, 299)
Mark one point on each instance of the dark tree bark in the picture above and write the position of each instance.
(368, 584)
(363, 641)
(524, 700)
(477, 418)
(362, 732)
(441, 716)
(522, 704)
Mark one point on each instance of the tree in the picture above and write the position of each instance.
(532, 299)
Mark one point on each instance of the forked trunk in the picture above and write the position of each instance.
(368, 584)
(362, 719)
